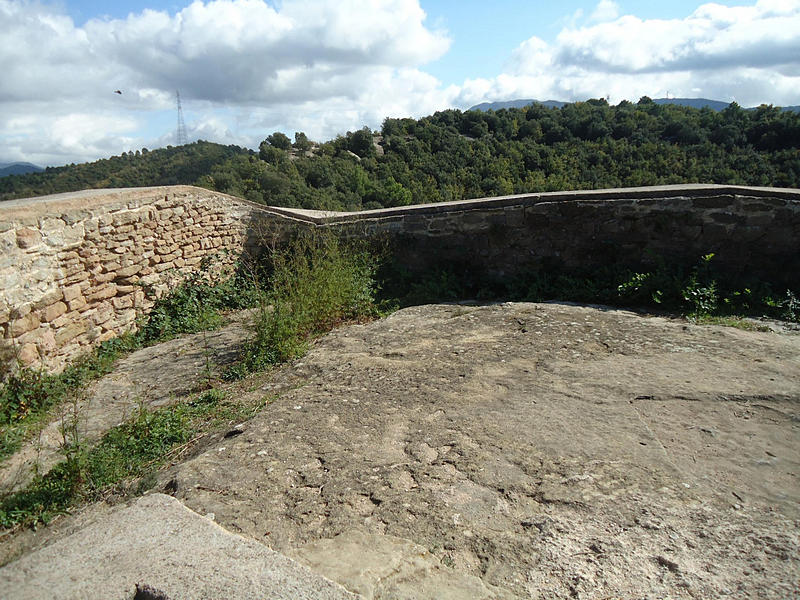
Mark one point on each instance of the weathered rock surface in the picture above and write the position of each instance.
(523, 450)
(551, 451)
(159, 544)
(149, 378)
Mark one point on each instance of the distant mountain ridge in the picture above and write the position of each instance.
(18, 168)
(484, 106)
(716, 105)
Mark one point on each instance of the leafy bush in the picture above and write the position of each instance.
(195, 304)
(317, 281)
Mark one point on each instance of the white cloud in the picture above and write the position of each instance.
(750, 53)
(606, 10)
(237, 54)
(246, 68)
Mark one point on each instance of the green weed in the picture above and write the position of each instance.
(196, 304)
(129, 451)
(317, 281)
(27, 395)
(695, 291)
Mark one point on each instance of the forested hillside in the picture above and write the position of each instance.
(165, 166)
(453, 155)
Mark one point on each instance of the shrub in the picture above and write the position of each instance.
(317, 282)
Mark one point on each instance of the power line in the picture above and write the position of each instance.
(182, 138)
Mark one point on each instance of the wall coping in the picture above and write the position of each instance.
(59, 203)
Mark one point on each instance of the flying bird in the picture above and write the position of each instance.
(118, 92)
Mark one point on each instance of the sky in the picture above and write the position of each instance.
(247, 68)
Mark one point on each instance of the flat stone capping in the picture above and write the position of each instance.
(694, 190)
(64, 202)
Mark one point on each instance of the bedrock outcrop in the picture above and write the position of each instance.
(541, 450)
(520, 451)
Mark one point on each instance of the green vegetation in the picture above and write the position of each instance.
(197, 304)
(28, 395)
(127, 452)
(453, 155)
(317, 281)
(700, 292)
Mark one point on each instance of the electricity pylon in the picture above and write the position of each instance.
(181, 134)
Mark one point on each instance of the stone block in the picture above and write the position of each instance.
(103, 277)
(73, 236)
(713, 202)
(28, 355)
(128, 271)
(105, 336)
(127, 281)
(124, 217)
(121, 302)
(28, 238)
(760, 220)
(32, 337)
(151, 279)
(27, 323)
(160, 268)
(713, 232)
(77, 278)
(726, 217)
(63, 320)
(52, 312)
(108, 290)
(21, 310)
(515, 216)
(41, 275)
(10, 278)
(47, 342)
(70, 332)
(102, 313)
(72, 292)
(124, 318)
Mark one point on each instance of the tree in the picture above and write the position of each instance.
(301, 141)
(269, 153)
(360, 143)
(279, 140)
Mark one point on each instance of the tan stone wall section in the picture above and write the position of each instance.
(74, 267)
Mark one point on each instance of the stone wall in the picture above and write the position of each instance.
(751, 231)
(74, 268)
(77, 269)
